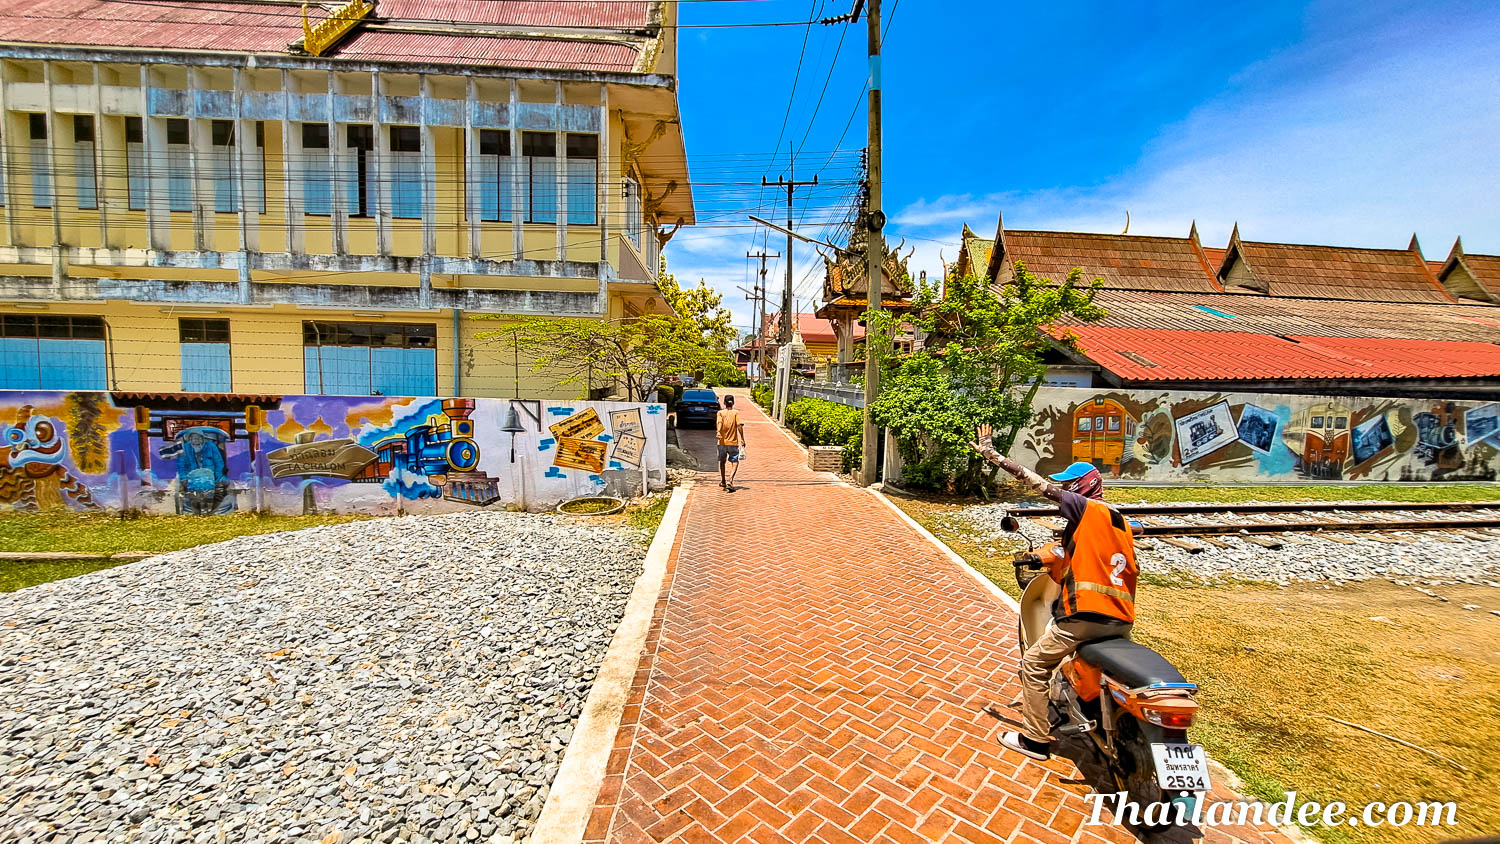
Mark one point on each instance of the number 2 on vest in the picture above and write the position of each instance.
(1117, 563)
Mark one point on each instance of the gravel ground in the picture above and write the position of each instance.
(393, 679)
(1419, 560)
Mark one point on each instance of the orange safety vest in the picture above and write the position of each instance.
(1101, 572)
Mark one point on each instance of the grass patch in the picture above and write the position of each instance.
(1272, 662)
(19, 574)
(102, 535)
(648, 517)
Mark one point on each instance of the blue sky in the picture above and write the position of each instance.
(1354, 123)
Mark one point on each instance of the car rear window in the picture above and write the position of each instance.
(700, 395)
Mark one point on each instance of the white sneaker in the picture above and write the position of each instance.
(1015, 741)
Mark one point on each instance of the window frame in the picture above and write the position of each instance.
(39, 327)
(530, 163)
(404, 143)
(343, 334)
(201, 327)
(80, 121)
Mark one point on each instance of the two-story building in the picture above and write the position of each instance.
(269, 197)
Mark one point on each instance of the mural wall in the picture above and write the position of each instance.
(210, 454)
(1255, 437)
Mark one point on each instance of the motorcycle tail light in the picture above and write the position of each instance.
(1174, 714)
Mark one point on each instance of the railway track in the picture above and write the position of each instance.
(1261, 523)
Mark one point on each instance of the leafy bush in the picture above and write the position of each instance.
(762, 394)
(819, 422)
(730, 376)
(666, 395)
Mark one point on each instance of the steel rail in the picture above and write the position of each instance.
(1289, 507)
(1317, 527)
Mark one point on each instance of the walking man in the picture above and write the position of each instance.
(731, 436)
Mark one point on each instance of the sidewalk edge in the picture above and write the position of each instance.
(575, 789)
(995, 591)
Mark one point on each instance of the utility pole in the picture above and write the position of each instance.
(784, 334)
(870, 456)
(759, 298)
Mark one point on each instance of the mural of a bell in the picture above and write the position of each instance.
(512, 421)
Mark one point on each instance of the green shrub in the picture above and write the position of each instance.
(819, 422)
(762, 394)
(667, 396)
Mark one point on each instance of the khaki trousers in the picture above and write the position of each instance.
(1042, 658)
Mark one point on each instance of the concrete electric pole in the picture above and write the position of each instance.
(759, 298)
(785, 329)
(874, 254)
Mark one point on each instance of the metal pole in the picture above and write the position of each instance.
(874, 254)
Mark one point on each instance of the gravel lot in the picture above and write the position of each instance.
(393, 679)
(1420, 559)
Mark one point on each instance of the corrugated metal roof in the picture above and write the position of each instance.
(484, 50)
(1125, 262)
(1276, 315)
(1136, 354)
(626, 14)
(191, 25)
(1341, 272)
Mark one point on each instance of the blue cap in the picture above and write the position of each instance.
(1073, 472)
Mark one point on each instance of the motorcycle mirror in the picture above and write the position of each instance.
(1010, 525)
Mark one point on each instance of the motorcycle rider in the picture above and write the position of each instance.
(1095, 566)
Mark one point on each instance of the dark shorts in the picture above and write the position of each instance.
(730, 453)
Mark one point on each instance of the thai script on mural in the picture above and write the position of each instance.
(208, 454)
(1166, 436)
(584, 425)
(340, 458)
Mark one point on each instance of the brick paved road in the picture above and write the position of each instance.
(815, 672)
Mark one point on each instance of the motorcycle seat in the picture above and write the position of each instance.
(1129, 663)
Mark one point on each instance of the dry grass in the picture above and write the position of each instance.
(1274, 662)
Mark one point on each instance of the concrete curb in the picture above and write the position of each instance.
(995, 591)
(575, 789)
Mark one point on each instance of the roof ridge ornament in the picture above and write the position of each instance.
(318, 38)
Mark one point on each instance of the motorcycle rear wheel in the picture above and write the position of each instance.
(1136, 774)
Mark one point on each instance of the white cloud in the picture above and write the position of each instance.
(1394, 134)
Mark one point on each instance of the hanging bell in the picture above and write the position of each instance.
(513, 421)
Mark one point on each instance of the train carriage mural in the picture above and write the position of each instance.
(1254, 437)
(212, 454)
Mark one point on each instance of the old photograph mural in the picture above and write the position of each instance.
(211, 454)
(1177, 436)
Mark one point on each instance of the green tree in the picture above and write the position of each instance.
(640, 354)
(703, 305)
(982, 363)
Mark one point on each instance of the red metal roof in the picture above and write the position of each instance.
(486, 50)
(192, 25)
(1283, 315)
(1138, 354)
(617, 14)
(812, 328)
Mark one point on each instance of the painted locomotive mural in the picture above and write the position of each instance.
(1171, 436)
(209, 454)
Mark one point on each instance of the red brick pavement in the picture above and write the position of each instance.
(815, 672)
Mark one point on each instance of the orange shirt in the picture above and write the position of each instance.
(729, 427)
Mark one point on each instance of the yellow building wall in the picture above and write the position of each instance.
(266, 342)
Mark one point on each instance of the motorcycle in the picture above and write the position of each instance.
(1127, 698)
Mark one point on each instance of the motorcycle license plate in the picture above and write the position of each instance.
(1181, 767)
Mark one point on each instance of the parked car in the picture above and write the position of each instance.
(697, 407)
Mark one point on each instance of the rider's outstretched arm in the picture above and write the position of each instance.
(982, 445)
